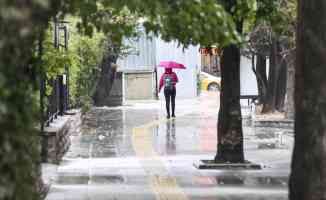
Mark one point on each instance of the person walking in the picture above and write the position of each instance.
(169, 80)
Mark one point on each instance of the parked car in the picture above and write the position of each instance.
(210, 82)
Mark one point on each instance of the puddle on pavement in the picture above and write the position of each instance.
(232, 180)
(85, 179)
(107, 134)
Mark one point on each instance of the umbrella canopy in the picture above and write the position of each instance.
(171, 64)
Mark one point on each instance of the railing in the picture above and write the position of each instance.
(58, 101)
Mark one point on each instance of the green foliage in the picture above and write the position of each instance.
(286, 27)
(273, 19)
(84, 70)
(186, 21)
(279, 14)
(107, 17)
(247, 10)
(82, 58)
(190, 22)
(202, 22)
(53, 59)
(19, 140)
(86, 104)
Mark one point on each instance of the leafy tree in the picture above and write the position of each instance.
(23, 27)
(115, 23)
(54, 60)
(230, 135)
(258, 49)
(230, 138)
(21, 22)
(205, 23)
(87, 53)
(188, 22)
(201, 22)
(113, 50)
(273, 38)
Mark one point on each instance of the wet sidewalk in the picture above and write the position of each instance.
(133, 152)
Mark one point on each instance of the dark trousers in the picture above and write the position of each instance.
(170, 97)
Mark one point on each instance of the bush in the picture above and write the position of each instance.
(86, 104)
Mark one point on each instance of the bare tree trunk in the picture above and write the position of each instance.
(261, 78)
(104, 85)
(274, 72)
(289, 100)
(230, 137)
(308, 175)
(281, 87)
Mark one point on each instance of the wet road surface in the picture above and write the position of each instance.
(133, 152)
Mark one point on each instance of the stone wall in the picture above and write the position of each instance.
(274, 133)
(56, 137)
(281, 124)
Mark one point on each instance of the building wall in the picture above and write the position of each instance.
(248, 81)
(138, 69)
(190, 57)
(147, 55)
(143, 56)
(139, 86)
(211, 64)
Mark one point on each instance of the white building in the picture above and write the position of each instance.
(248, 81)
(139, 74)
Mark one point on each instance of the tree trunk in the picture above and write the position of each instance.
(273, 76)
(104, 85)
(308, 175)
(281, 87)
(289, 100)
(229, 127)
(230, 137)
(261, 78)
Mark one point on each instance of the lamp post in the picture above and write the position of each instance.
(63, 80)
(60, 94)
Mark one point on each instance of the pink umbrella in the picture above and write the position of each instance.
(171, 64)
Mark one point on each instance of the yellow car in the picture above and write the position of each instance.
(209, 82)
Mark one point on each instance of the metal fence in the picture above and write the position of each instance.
(57, 100)
(57, 103)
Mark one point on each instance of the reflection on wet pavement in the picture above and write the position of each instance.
(170, 137)
(130, 153)
(84, 179)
